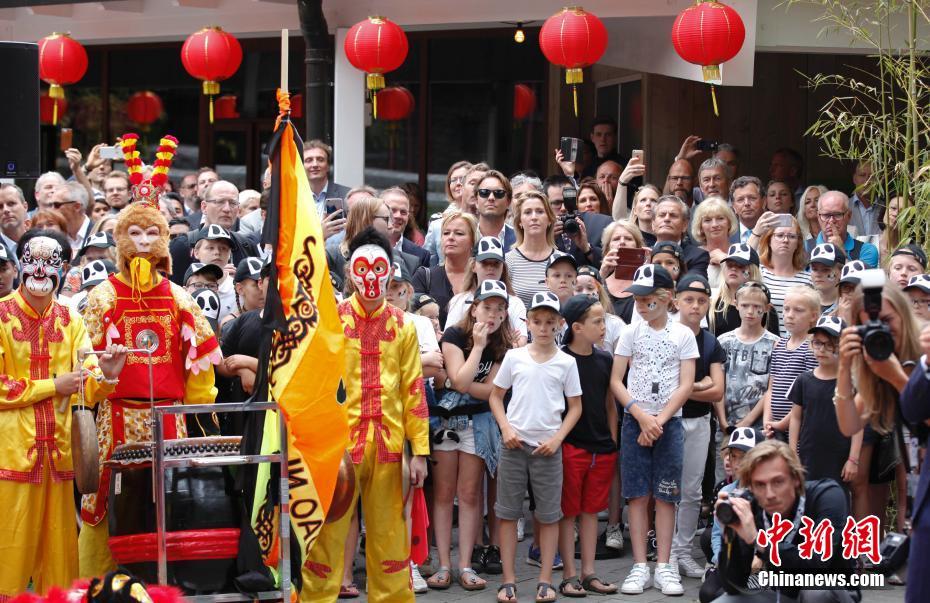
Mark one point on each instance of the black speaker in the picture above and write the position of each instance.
(19, 110)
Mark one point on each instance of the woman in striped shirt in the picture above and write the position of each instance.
(534, 221)
(783, 258)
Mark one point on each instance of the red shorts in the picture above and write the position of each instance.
(586, 480)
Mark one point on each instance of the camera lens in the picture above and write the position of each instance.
(879, 344)
(725, 513)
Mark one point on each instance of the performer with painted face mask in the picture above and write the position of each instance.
(40, 375)
(140, 308)
(386, 408)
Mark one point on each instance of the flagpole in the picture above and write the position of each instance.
(284, 60)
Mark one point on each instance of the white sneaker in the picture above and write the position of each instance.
(521, 529)
(637, 580)
(615, 536)
(667, 580)
(688, 567)
(419, 584)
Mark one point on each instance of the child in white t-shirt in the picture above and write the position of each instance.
(661, 357)
(544, 380)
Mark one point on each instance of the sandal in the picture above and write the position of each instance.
(601, 588)
(577, 590)
(545, 593)
(509, 590)
(441, 580)
(470, 580)
(349, 591)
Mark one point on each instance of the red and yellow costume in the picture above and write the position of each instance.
(38, 537)
(140, 308)
(386, 407)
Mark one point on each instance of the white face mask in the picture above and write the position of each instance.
(370, 271)
(42, 266)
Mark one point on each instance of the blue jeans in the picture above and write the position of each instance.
(652, 469)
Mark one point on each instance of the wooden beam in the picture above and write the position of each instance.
(126, 6)
(291, 2)
(197, 3)
(53, 10)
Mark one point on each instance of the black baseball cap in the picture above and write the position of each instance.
(248, 268)
(742, 254)
(198, 267)
(572, 310)
(745, 438)
(693, 282)
(558, 256)
(650, 277)
(591, 271)
(399, 273)
(668, 247)
(915, 251)
(830, 325)
(827, 254)
(101, 240)
(423, 300)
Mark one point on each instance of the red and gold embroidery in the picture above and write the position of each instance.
(370, 332)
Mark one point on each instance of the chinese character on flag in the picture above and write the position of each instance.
(772, 536)
(862, 538)
(816, 540)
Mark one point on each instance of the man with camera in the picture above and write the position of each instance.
(774, 480)
(576, 233)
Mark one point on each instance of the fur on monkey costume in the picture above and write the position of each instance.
(140, 307)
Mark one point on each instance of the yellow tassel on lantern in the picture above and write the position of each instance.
(574, 77)
(374, 82)
(211, 89)
(712, 76)
(56, 93)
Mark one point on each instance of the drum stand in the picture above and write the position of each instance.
(160, 464)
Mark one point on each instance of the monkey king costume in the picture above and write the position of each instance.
(386, 407)
(38, 537)
(139, 307)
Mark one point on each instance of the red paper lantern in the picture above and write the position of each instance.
(48, 112)
(297, 106)
(226, 107)
(574, 39)
(396, 102)
(708, 34)
(144, 108)
(62, 61)
(524, 101)
(376, 46)
(211, 55)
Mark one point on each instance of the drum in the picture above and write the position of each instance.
(201, 515)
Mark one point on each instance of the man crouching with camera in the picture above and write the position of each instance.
(773, 478)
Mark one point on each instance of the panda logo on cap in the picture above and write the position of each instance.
(743, 438)
(94, 271)
(826, 251)
(831, 324)
(644, 275)
(101, 239)
(209, 302)
(492, 288)
(255, 266)
(741, 251)
(490, 247)
(852, 268)
(215, 231)
(545, 298)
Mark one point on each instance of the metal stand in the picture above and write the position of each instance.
(160, 464)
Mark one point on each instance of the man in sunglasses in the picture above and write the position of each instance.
(494, 197)
(834, 215)
(71, 200)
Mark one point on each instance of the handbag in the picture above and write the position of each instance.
(886, 454)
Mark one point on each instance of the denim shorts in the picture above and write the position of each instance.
(652, 469)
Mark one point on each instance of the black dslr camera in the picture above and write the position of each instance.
(875, 334)
(570, 218)
(725, 513)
